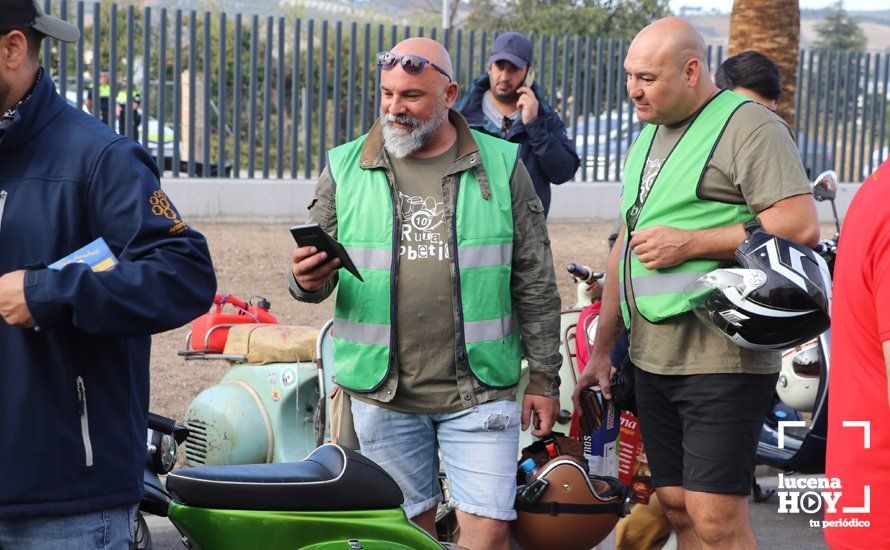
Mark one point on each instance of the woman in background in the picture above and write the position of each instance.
(753, 75)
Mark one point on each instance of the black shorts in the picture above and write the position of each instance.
(700, 431)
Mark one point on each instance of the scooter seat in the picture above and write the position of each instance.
(330, 478)
(261, 344)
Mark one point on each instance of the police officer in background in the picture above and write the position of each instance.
(104, 97)
(122, 114)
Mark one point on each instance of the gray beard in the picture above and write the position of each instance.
(400, 143)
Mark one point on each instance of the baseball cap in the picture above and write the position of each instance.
(511, 46)
(21, 14)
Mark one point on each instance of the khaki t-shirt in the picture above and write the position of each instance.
(425, 321)
(755, 162)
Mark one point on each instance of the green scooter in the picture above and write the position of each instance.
(334, 498)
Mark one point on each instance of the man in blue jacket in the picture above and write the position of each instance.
(74, 343)
(506, 103)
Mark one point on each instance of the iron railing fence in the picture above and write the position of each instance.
(243, 96)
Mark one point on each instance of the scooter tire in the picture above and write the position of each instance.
(141, 536)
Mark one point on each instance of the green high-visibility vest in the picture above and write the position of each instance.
(122, 97)
(659, 294)
(364, 337)
(104, 90)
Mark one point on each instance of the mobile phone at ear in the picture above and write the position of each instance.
(313, 235)
(529, 77)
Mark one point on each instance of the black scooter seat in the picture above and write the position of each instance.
(330, 478)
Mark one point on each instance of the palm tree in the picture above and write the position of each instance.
(771, 27)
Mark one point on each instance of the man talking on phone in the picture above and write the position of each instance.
(506, 103)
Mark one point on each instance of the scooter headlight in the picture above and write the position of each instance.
(161, 452)
(167, 453)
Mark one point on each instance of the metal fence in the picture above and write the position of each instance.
(248, 97)
(842, 110)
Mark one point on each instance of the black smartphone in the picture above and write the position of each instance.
(313, 235)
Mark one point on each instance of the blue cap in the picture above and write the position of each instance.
(513, 47)
(528, 465)
(21, 14)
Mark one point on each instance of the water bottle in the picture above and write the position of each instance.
(530, 468)
(535, 487)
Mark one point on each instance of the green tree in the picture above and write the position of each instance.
(839, 31)
(614, 18)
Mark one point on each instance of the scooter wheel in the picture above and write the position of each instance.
(142, 536)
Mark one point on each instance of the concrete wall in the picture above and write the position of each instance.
(240, 201)
(285, 201)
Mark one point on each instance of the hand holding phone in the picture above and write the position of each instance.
(527, 102)
(312, 268)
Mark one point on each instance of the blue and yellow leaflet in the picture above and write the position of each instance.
(97, 255)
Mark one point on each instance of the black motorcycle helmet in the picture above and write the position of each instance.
(778, 297)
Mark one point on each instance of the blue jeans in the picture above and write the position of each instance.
(479, 448)
(110, 529)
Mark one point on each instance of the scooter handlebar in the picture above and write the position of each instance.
(583, 273)
(160, 423)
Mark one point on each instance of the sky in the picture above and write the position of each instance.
(726, 5)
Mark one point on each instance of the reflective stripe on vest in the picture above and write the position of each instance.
(364, 343)
(487, 255)
(373, 334)
(370, 258)
(673, 202)
(493, 329)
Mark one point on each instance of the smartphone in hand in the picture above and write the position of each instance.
(313, 235)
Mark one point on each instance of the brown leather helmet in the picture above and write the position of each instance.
(567, 509)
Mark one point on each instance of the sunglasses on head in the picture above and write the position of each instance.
(411, 64)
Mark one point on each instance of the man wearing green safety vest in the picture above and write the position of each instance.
(449, 237)
(134, 113)
(104, 97)
(708, 165)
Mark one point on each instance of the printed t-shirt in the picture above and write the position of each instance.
(425, 337)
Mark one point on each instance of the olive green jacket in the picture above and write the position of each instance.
(533, 283)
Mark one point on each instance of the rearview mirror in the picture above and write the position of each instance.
(825, 186)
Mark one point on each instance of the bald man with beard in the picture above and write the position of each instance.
(449, 236)
(718, 165)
